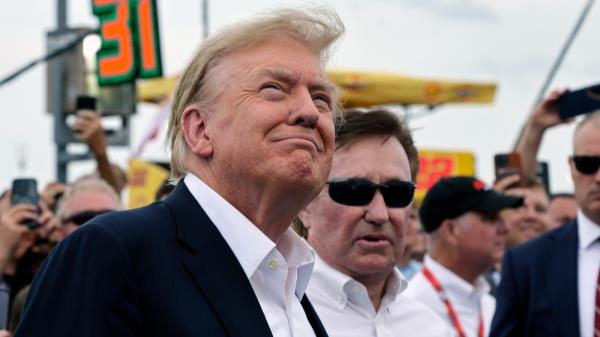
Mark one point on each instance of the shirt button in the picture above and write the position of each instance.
(273, 264)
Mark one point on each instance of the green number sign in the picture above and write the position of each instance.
(130, 40)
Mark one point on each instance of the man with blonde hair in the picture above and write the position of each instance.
(252, 138)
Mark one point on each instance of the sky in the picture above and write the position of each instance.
(512, 43)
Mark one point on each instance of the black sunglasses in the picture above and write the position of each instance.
(85, 216)
(360, 192)
(586, 164)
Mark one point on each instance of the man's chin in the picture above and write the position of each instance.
(374, 264)
(305, 169)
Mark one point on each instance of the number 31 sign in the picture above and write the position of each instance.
(130, 40)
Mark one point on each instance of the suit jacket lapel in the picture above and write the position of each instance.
(313, 318)
(562, 279)
(215, 269)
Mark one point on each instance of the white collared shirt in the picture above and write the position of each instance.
(468, 300)
(278, 273)
(588, 265)
(345, 308)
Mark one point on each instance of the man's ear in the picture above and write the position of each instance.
(194, 128)
(304, 217)
(448, 230)
(572, 168)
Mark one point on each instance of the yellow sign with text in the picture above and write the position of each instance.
(434, 165)
(144, 180)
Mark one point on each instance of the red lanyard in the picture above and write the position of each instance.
(451, 313)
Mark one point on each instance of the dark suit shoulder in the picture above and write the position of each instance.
(153, 215)
(154, 220)
(144, 233)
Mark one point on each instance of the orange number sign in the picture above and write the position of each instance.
(148, 39)
(432, 169)
(130, 40)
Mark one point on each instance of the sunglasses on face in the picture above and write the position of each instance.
(586, 164)
(360, 192)
(83, 217)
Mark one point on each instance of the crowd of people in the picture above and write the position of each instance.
(259, 142)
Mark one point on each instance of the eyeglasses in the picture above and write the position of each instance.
(586, 164)
(83, 217)
(360, 192)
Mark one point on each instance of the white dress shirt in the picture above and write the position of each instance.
(345, 308)
(278, 273)
(468, 300)
(588, 264)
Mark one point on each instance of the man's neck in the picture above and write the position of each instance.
(376, 285)
(594, 217)
(271, 209)
(460, 267)
(405, 258)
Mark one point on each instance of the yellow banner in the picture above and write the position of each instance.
(363, 89)
(434, 165)
(367, 88)
(144, 180)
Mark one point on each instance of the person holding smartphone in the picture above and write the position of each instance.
(88, 128)
(17, 238)
(544, 116)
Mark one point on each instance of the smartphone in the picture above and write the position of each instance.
(24, 191)
(543, 172)
(579, 102)
(85, 103)
(506, 164)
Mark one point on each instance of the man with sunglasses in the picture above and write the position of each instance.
(466, 236)
(357, 226)
(87, 199)
(551, 285)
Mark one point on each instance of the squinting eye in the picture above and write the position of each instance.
(270, 86)
(322, 98)
(272, 91)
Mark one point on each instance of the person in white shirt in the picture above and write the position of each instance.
(467, 237)
(252, 136)
(551, 285)
(356, 226)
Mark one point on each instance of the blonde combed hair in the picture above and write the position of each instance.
(317, 29)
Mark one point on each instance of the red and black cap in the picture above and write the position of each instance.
(452, 197)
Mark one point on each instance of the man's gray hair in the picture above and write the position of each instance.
(317, 29)
(85, 184)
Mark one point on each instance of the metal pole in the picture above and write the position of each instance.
(558, 61)
(564, 51)
(205, 29)
(58, 93)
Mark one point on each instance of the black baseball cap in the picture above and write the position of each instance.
(452, 197)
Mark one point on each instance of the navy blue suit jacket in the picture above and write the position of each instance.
(162, 270)
(538, 292)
